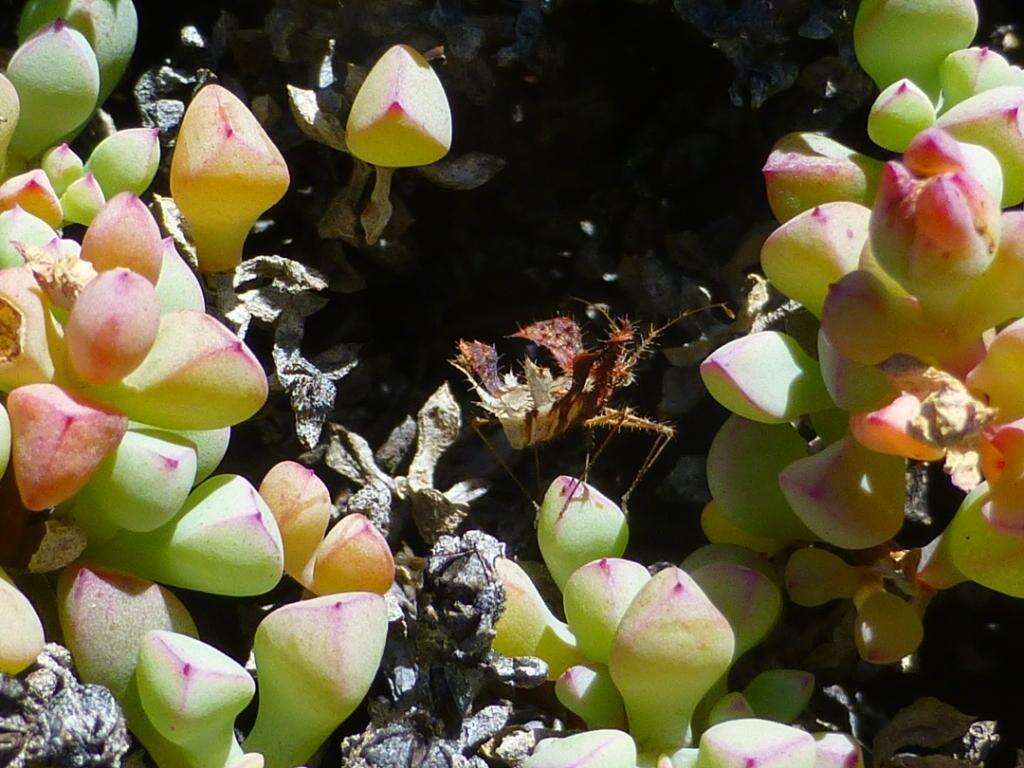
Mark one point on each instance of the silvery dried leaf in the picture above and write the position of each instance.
(173, 223)
(341, 220)
(378, 210)
(61, 544)
(350, 456)
(310, 383)
(438, 425)
(321, 125)
(928, 722)
(465, 172)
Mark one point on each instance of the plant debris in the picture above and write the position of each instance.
(49, 718)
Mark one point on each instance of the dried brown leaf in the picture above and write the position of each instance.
(378, 210)
(928, 723)
(173, 223)
(61, 544)
(318, 123)
(11, 320)
(438, 425)
(465, 172)
(950, 414)
(61, 274)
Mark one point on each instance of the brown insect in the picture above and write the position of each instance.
(541, 403)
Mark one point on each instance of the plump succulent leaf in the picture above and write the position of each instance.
(21, 632)
(576, 525)
(749, 600)
(62, 167)
(849, 496)
(126, 161)
(997, 376)
(353, 557)
(400, 116)
(934, 236)
(124, 234)
(887, 627)
(28, 309)
(594, 749)
(805, 170)
(82, 200)
(732, 706)
(900, 112)
(993, 119)
(814, 249)
(671, 646)
(889, 430)
(970, 71)
(18, 227)
(58, 82)
(191, 694)
(937, 27)
(852, 386)
(719, 529)
(198, 375)
(301, 504)
(315, 660)
(225, 173)
(588, 692)
(177, 288)
(765, 377)
(744, 463)
(837, 750)
(10, 107)
(112, 326)
(985, 551)
(59, 442)
(224, 540)
(596, 597)
(141, 485)
(110, 26)
(33, 192)
(816, 576)
(105, 616)
(780, 694)
(766, 744)
(527, 626)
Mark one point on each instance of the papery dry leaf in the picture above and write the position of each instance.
(320, 125)
(61, 545)
(11, 319)
(465, 172)
(950, 418)
(351, 456)
(378, 210)
(283, 286)
(755, 313)
(60, 274)
(928, 722)
(309, 382)
(340, 220)
(950, 414)
(438, 425)
(173, 223)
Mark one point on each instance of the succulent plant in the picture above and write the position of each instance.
(400, 115)
(640, 653)
(120, 395)
(731, 744)
(225, 173)
(913, 275)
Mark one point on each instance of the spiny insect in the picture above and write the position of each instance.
(542, 404)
